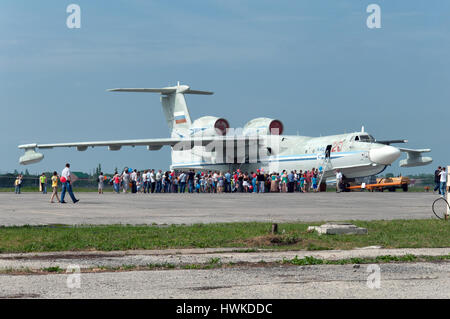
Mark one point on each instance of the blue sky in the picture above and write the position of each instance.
(312, 64)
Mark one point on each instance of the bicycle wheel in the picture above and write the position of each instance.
(439, 207)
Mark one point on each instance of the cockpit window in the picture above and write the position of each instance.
(365, 138)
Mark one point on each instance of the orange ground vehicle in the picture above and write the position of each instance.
(383, 183)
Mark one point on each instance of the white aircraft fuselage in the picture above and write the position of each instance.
(355, 154)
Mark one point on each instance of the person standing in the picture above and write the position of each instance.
(139, 184)
(134, 181)
(145, 181)
(100, 180)
(183, 178)
(302, 183)
(125, 180)
(443, 181)
(43, 181)
(291, 182)
(190, 179)
(54, 187)
(274, 183)
(338, 180)
(159, 181)
(220, 183)
(437, 180)
(240, 182)
(254, 188)
(227, 182)
(284, 182)
(166, 180)
(307, 183)
(152, 181)
(66, 185)
(116, 182)
(261, 180)
(18, 184)
(314, 183)
(175, 181)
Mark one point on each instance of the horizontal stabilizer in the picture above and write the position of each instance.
(167, 90)
(162, 90)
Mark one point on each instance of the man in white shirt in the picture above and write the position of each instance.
(158, 182)
(152, 181)
(133, 181)
(443, 179)
(145, 181)
(183, 178)
(338, 180)
(66, 186)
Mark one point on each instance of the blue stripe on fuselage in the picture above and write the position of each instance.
(305, 157)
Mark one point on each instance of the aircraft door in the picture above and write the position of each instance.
(328, 152)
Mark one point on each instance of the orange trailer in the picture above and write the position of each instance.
(389, 183)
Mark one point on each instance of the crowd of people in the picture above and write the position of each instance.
(191, 181)
(152, 181)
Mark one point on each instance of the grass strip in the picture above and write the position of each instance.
(248, 236)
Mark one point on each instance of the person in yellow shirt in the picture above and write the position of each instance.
(54, 187)
(43, 180)
(17, 185)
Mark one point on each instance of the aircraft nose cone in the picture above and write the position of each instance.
(384, 155)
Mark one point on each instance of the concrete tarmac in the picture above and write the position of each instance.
(401, 280)
(36, 209)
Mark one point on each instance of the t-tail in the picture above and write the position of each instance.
(174, 106)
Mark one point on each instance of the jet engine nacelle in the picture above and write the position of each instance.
(210, 126)
(263, 126)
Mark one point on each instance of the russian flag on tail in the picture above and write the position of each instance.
(179, 117)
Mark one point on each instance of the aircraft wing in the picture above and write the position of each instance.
(414, 157)
(113, 145)
(31, 156)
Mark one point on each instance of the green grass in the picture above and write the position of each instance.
(308, 260)
(52, 269)
(247, 236)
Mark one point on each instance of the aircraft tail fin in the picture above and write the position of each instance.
(174, 105)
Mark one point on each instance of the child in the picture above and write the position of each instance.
(302, 183)
(314, 182)
(54, 187)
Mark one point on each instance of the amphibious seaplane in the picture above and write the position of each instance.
(208, 143)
